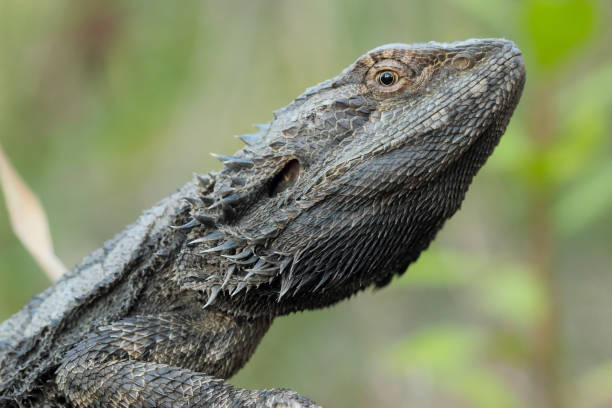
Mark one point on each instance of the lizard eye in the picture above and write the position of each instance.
(387, 78)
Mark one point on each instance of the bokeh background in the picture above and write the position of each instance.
(106, 107)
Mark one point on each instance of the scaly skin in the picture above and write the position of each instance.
(341, 191)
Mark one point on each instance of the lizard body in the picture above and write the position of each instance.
(341, 191)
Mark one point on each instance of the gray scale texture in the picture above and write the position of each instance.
(341, 191)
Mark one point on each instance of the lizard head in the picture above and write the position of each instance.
(347, 184)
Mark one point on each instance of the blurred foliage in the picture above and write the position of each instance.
(543, 20)
(108, 106)
(452, 359)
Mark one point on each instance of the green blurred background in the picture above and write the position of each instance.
(106, 107)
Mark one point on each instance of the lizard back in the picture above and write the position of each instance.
(101, 288)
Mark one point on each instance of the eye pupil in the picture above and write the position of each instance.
(386, 78)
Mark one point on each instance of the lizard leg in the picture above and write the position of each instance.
(151, 361)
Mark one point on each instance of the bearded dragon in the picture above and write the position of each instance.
(340, 192)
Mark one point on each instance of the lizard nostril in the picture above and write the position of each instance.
(461, 62)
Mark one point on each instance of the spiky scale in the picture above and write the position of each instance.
(190, 224)
(250, 138)
(232, 198)
(286, 284)
(234, 161)
(227, 201)
(248, 261)
(228, 274)
(227, 245)
(205, 181)
(193, 201)
(241, 285)
(322, 281)
(246, 252)
(207, 200)
(260, 264)
(214, 291)
(261, 267)
(262, 127)
(226, 191)
(285, 263)
(266, 232)
(213, 236)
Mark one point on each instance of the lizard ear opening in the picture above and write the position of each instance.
(285, 178)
